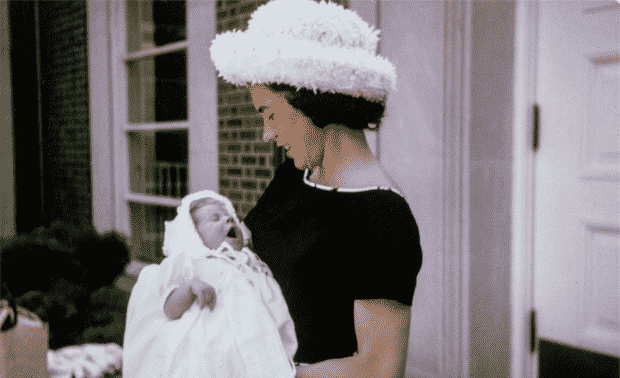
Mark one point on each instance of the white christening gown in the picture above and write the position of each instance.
(249, 333)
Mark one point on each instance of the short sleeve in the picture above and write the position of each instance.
(389, 256)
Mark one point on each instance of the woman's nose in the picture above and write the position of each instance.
(230, 220)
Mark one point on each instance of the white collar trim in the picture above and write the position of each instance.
(346, 190)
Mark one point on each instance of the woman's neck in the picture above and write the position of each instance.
(346, 154)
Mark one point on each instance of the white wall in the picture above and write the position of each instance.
(7, 178)
(411, 147)
(367, 10)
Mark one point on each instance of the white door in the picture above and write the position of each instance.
(577, 176)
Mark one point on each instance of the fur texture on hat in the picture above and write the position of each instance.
(306, 44)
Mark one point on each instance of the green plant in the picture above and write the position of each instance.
(64, 274)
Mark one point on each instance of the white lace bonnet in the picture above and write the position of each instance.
(306, 44)
(180, 234)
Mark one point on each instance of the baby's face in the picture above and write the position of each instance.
(215, 225)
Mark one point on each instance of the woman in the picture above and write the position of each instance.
(332, 225)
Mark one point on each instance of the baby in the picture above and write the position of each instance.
(215, 226)
(211, 308)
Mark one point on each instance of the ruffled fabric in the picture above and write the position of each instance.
(249, 333)
(306, 44)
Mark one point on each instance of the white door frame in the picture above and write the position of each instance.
(455, 348)
(523, 363)
(101, 116)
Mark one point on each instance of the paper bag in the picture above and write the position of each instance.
(23, 343)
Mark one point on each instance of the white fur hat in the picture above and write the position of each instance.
(306, 44)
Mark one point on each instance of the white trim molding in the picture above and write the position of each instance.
(118, 88)
(523, 363)
(454, 338)
(202, 97)
(101, 127)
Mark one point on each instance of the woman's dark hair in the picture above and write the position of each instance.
(324, 108)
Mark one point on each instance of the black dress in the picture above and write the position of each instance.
(328, 247)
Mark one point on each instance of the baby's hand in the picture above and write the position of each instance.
(205, 293)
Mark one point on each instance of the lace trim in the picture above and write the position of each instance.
(345, 190)
(244, 260)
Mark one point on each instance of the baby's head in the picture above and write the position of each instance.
(214, 224)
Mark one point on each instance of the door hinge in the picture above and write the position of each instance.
(536, 123)
(532, 331)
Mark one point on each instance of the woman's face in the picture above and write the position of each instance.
(215, 225)
(304, 142)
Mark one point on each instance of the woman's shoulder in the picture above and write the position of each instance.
(372, 176)
(383, 179)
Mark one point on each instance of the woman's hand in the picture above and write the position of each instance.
(204, 292)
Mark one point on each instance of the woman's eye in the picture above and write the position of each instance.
(215, 217)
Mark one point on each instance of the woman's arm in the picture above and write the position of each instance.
(382, 329)
(178, 302)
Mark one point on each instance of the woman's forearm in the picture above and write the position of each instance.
(353, 367)
(178, 302)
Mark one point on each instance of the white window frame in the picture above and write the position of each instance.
(107, 40)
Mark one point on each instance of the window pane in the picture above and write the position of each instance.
(169, 19)
(147, 231)
(171, 87)
(157, 88)
(158, 163)
(155, 23)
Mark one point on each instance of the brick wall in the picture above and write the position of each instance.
(65, 96)
(246, 163)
